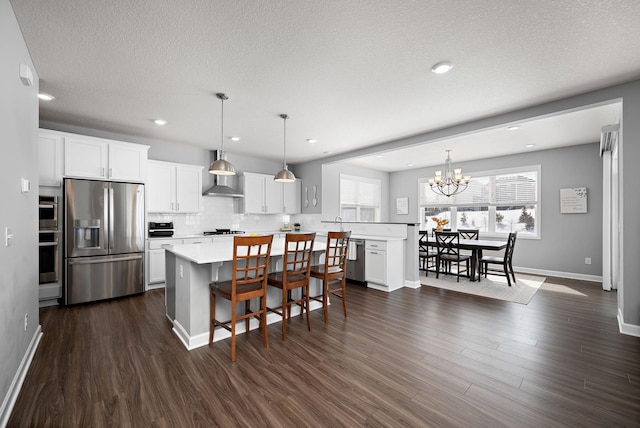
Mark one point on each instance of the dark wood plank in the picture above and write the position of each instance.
(424, 357)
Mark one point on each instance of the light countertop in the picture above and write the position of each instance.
(223, 251)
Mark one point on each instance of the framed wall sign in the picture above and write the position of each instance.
(402, 206)
(573, 200)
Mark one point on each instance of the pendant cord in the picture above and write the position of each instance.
(284, 149)
(222, 127)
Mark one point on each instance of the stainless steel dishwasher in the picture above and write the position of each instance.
(355, 261)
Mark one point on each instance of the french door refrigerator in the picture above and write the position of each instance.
(104, 240)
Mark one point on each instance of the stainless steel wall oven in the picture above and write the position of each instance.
(48, 212)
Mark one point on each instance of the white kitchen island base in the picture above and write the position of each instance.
(189, 271)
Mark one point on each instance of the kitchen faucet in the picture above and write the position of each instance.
(336, 221)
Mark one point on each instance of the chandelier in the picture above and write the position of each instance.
(452, 182)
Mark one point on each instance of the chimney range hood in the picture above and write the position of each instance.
(220, 187)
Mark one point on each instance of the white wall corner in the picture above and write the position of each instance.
(630, 329)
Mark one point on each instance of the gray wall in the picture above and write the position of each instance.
(565, 239)
(18, 263)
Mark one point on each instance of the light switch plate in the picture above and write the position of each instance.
(25, 185)
(26, 75)
(8, 236)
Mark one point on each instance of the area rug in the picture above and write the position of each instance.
(493, 287)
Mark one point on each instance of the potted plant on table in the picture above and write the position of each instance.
(440, 223)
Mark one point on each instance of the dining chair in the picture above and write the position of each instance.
(434, 230)
(425, 251)
(504, 261)
(334, 269)
(296, 268)
(470, 234)
(249, 271)
(449, 253)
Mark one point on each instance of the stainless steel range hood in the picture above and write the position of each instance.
(220, 187)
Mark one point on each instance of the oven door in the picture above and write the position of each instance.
(48, 212)
(49, 253)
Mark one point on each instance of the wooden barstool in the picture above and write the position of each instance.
(333, 269)
(248, 281)
(296, 264)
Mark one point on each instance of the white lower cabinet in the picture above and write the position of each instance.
(155, 261)
(155, 257)
(384, 264)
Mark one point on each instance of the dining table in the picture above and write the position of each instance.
(476, 246)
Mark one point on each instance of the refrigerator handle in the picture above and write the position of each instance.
(97, 260)
(111, 222)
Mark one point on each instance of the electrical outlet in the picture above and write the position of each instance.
(181, 272)
(587, 260)
(26, 321)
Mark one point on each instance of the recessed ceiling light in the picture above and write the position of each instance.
(528, 146)
(312, 140)
(46, 97)
(327, 153)
(513, 127)
(160, 122)
(378, 156)
(409, 164)
(234, 138)
(442, 67)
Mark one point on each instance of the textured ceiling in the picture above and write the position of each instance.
(349, 73)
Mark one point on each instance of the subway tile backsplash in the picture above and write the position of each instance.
(221, 213)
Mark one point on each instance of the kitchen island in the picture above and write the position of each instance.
(190, 268)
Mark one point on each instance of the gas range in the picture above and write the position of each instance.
(224, 232)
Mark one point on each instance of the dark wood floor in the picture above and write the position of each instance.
(424, 357)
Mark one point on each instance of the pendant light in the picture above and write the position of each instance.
(285, 176)
(221, 166)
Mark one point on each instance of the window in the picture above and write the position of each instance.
(359, 198)
(496, 203)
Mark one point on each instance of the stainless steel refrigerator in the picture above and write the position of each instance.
(104, 240)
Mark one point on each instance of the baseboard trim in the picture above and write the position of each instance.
(412, 284)
(559, 274)
(18, 379)
(202, 339)
(629, 329)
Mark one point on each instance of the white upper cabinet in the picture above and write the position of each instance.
(127, 162)
(87, 157)
(291, 197)
(50, 158)
(262, 195)
(173, 188)
(161, 187)
(188, 188)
